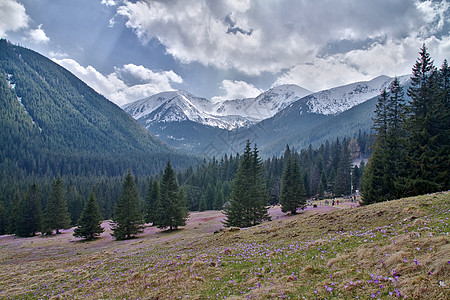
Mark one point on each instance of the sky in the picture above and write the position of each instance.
(227, 49)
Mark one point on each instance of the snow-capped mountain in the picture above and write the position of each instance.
(265, 105)
(342, 98)
(177, 106)
(281, 114)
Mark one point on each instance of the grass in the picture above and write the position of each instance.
(390, 250)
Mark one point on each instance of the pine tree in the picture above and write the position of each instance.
(14, 214)
(442, 126)
(395, 141)
(30, 218)
(421, 143)
(342, 178)
(56, 214)
(374, 186)
(172, 211)
(293, 194)
(249, 196)
(151, 201)
(128, 220)
(202, 204)
(89, 224)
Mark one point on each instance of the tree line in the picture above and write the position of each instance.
(411, 153)
(165, 206)
(322, 172)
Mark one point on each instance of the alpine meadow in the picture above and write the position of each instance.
(224, 149)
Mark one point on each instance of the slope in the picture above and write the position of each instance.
(388, 250)
(53, 123)
(347, 123)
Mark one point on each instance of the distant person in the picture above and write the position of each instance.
(337, 201)
(332, 203)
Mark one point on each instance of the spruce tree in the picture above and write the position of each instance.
(30, 218)
(248, 197)
(128, 220)
(421, 142)
(293, 194)
(374, 186)
(14, 214)
(342, 178)
(56, 214)
(395, 141)
(442, 127)
(202, 204)
(172, 210)
(151, 201)
(89, 224)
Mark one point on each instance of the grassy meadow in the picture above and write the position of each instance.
(392, 250)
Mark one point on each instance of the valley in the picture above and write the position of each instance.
(389, 250)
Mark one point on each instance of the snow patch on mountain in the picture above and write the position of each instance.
(178, 106)
(263, 106)
(342, 98)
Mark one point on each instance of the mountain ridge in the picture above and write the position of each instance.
(53, 123)
(278, 115)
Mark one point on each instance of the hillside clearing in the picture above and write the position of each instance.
(389, 250)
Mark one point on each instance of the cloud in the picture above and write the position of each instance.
(38, 35)
(237, 90)
(58, 54)
(12, 17)
(116, 88)
(109, 2)
(288, 37)
(392, 58)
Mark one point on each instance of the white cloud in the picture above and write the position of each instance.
(12, 16)
(58, 54)
(237, 90)
(392, 58)
(38, 35)
(109, 2)
(114, 87)
(303, 37)
(144, 74)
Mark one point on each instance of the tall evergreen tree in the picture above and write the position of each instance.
(89, 224)
(14, 213)
(172, 211)
(421, 143)
(374, 186)
(293, 194)
(56, 214)
(442, 127)
(152, 200)
(30, 219)
(342, 178)
(128, 220)
(395, 141)
(249, 197)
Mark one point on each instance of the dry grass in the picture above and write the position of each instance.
(389, 250)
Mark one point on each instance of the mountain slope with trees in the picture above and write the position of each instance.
(53, 123)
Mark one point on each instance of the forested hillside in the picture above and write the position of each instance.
(53, 123)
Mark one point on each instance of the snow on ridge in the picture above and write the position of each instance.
(342, 98)
(177, 106)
